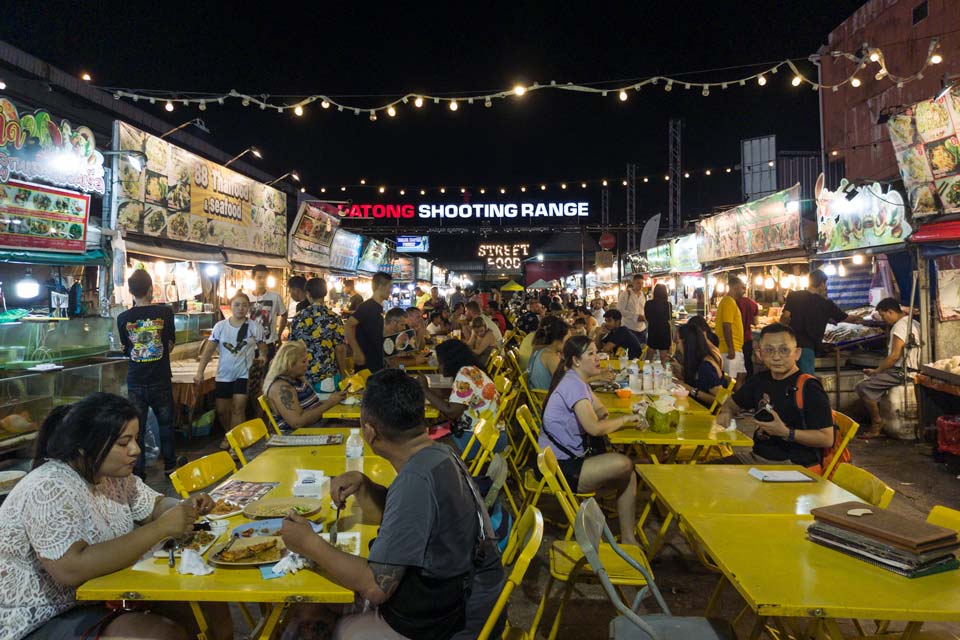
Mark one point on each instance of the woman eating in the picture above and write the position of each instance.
(292, 400)
(82, 514)
(574, 423)
(701, 364)
(239, 341)
(659, 314)
(481, 341)
(472, 394)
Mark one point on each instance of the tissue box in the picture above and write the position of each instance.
(308, 490)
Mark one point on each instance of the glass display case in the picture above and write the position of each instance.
(26, 399)
(190, 326)
(30, 341)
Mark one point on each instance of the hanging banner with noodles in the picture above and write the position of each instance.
(873, 217)
(761, 226)
(181, 196)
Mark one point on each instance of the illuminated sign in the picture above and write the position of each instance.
(413, 244)
(466, 211)
(503, 257)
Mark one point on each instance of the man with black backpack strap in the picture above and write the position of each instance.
(794, 420)
(434, 570)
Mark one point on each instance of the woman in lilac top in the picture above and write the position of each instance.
(571, 414)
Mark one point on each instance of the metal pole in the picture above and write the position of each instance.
(583, 262)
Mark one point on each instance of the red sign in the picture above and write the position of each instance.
(37, 217)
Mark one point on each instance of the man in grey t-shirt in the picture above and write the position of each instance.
(432, 523)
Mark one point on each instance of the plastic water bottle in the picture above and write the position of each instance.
(355, 451)
(648, 378)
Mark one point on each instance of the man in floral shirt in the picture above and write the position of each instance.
(322, 331)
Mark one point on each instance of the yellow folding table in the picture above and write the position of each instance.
(686, 490)
(621, 406)
(153, 580)
(696, 429)
(352, 411)
(797, 585)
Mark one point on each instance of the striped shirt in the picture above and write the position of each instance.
(306, 396)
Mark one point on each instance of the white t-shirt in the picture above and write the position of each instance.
(235, 359)
(493, 327)
(433, 329)
(264, 310)
(630, 306)
(899, 330)
(48, 511)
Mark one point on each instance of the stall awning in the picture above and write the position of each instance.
(248, 259)
(157, 248)
(938, 232)
(95, 257)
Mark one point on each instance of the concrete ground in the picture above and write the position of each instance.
(908, 467)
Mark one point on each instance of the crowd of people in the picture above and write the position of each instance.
(84, 511)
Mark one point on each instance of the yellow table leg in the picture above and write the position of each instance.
(831, 629)
(269, 623)
(201, 620)
(698, 452)
(911, 630)
(758, 627)
(661, 537)
(715, 596)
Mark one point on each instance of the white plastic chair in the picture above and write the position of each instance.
(629, 625)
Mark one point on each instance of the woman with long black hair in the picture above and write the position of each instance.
(701, 364)
(659, 314)
(81, 514)
(574, 424)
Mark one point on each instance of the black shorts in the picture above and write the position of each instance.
(571, 468)
(78, 623)
(227, 390)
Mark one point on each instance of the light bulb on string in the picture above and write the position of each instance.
(325, 104)
(487, 103)
(418, 102)
(623, 96)
(758, 281)
(443, 189)
(563, 185)
(796, 81)
(543, 187)
(343, 188)
(453, 105)
(874, 56)
(502, 190)
(463, 190)
(519, 90)
(403, 192)
(482, 191)
(707, 172)
(706, 90)
(604, 183)
(523, 189)
(363, 181)
(168, 106)
(382, 189)
(761, 80)
(583, 185)
(858, 258)
(645, 179)
(686, 174)
(298, 110)
(423, 192)
(842, 271)
(936, 58)
(391, 111)
(373, 116)
(855, 82)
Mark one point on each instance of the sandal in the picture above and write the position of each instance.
(870, 435)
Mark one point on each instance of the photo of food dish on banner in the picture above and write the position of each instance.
(873, 217)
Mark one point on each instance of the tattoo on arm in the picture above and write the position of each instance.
(287, 399)
(387, 577)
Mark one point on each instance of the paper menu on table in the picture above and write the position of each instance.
(779, 476)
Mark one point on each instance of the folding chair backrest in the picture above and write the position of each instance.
(945, 517)
(863, 484)
(721, 397)
(202, 472)
(589, 528)
(494, 354)
(511, 356)
(502, 383)
(265, 405)
(245, 435)
(550, 468)
(847, 429)
(529, 426)
(485, 433)
(495, 365)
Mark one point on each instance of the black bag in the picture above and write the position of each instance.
(424, 608)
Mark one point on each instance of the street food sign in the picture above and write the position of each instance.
(761, 226)
(34, 146)
(926, 142)
(181, 196)
(39, 218)
(873, 218)
(659, 258)
(465, 211)
(684, 256)
(504, 256)
(413, 244)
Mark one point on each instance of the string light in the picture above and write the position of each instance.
(623, 96)
(854, 82)
(453, 105)
(298, 110)
(604, 183)
(936, 58)
(168, 106)
(502, 190)
(488, 103)
(382, 189)
(543, 187)
(563, 185)
(403, 192)
(86, 77)
(523, 189)
(707, 172)
(363, 181)
(583, 185)
(519, 90)
(482, 191)
(324, 104)
(423, 192)
(624, 183)
(645, 179)
(761, 80)
(418, 102)
(391, 111)
(462, 190)
(443, 189)
(796, 81)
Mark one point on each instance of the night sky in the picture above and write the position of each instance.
(369, 49)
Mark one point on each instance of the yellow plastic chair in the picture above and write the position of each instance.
(848, 429)
(485, 433)
(502, 383)
(945, 517)
(567, 562)
(202, 472)
(721, 397)
(523, 545)
(494, 354)
(245, 435)
(265, 405)
(863, 484)
(534, 401)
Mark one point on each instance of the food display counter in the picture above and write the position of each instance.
(35, 341)
(191, 326)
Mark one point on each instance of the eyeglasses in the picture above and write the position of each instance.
(783, 352)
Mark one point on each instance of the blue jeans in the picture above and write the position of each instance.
(159, 397)
(807, 362)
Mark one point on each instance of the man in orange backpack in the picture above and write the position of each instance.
(794, 421)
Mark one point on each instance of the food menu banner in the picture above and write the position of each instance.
(873, 218)
(684, 256)
(403, 269)
(345, 251)
(35, 146)
(948, 287)
(926, 141)
(761, 226)
(312, 233)
(35, 217)
(178, 195)
(659, 259)
(423, 269)
(374, 257)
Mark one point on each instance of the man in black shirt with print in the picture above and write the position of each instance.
(364, 329)
(148, 336)
(785, 432)
(617, 336)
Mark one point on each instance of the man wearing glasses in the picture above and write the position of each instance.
(786, 433)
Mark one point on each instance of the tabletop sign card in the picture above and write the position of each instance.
(767, 475)
(305, 441)
(240, 492)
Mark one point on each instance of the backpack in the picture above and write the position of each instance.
(830, 453)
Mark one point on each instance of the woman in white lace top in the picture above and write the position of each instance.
(81, 514)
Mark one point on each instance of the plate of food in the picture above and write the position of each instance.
(224, 509)
(199, 541)
(347, 542)
(265, 528)
(248, 552)
(279, 507)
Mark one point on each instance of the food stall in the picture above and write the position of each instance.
(53, 268)
(308, 244)
(687, 274)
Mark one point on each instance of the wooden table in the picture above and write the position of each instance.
(792, 583)
(620, 406)
(728, 489)
(153, 580)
